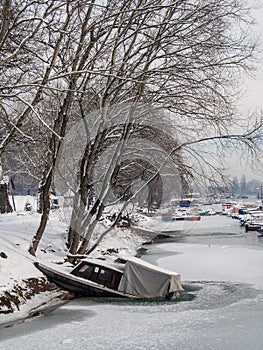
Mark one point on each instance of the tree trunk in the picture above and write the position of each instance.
(74, 246)
(40, 202)
(44, 217)
(5, 206)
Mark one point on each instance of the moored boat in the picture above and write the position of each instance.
(252, 220)
(132, 279)
(174, 217)
(253, 226)
(170, 221)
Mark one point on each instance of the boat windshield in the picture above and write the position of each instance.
(100, 274)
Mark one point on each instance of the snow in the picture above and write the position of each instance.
(206, 224)
(16, 232)
(226, 312)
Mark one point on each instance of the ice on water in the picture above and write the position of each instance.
(222, 277)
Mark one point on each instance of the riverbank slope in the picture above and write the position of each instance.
(24, 291)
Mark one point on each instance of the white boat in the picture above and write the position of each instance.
(170, 222)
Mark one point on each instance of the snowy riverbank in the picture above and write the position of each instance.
(24, 292)
(23, 289)
(221, 309)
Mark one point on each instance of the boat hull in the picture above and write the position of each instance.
(252, 227)
(79, 288)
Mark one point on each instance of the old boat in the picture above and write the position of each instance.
(134, 278)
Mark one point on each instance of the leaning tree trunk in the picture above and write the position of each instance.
(44, 218)
(5, 206)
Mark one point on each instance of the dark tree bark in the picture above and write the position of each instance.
(5, 206)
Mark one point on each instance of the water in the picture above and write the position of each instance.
(221, 308)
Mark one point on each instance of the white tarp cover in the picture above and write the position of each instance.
(148, 281)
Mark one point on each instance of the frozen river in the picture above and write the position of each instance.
(222, 307)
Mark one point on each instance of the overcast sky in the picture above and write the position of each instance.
(254, 96)
(252, 101)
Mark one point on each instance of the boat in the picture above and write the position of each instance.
(208, 212)
(180, 217)
(252, 220)
(180, 221)
(134, 278)
(185, 203)
(253, 226)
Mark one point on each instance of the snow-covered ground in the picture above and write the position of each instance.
(222, 275)
(19, 279)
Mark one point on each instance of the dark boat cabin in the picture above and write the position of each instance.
(104, 275)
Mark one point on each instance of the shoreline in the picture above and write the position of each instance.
(28, 303)
(35, 296)
(51, 303)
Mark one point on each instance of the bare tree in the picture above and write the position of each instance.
(24, 62)
(161, 72)
(178, 56)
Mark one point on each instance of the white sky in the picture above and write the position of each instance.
(252, 100)
(254, 85)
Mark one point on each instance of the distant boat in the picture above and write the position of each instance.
(242, 196)
(132, 279)
(185, 203)
(207, 212)
(252, 219)
(169, 222)
(174, 217)
(252, 227)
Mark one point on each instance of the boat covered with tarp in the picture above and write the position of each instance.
(129, 277)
